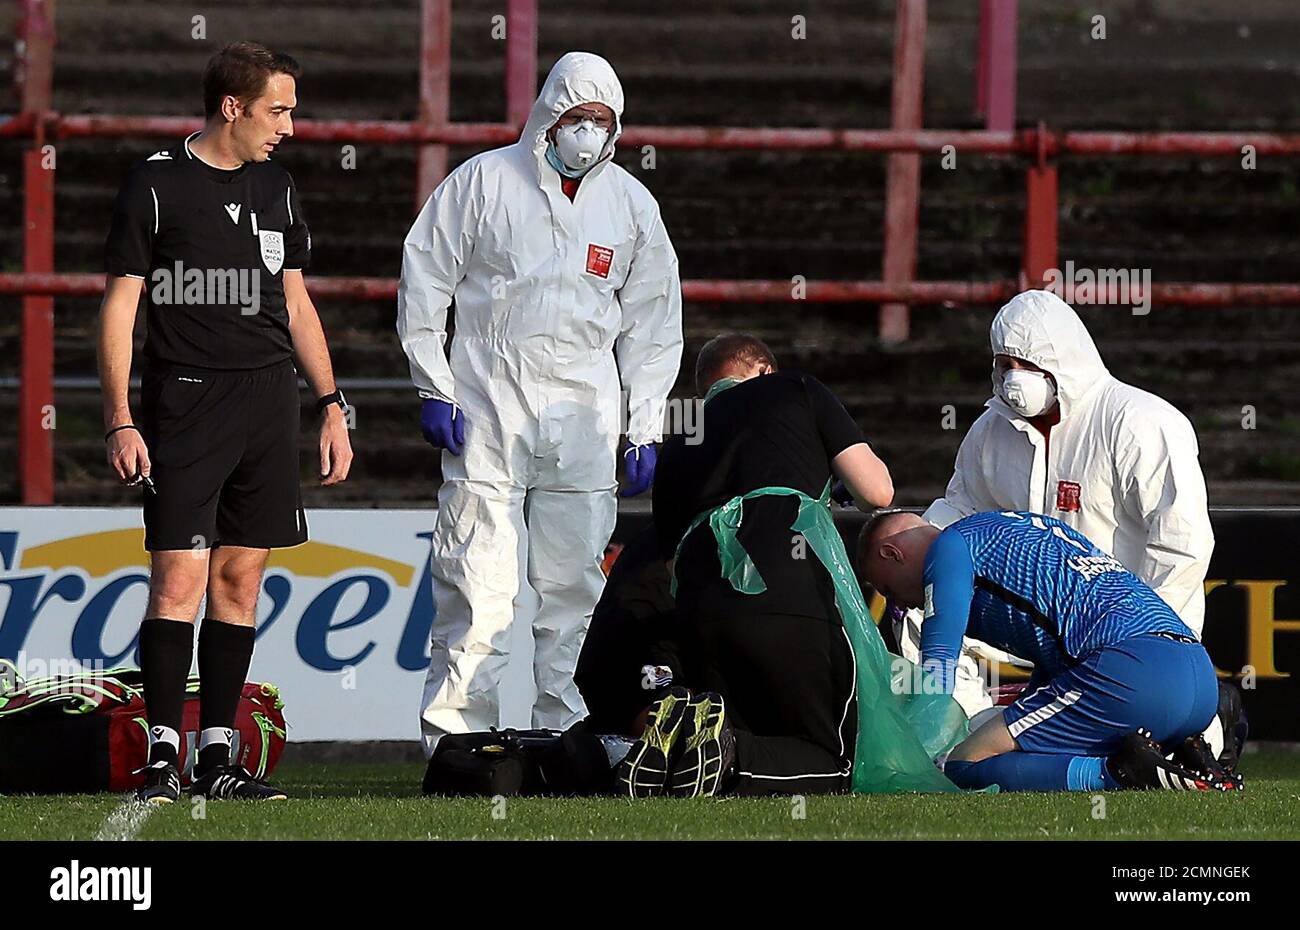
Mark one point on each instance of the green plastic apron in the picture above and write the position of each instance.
(904, 720)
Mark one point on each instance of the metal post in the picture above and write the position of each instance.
(903, 178)
(521, 60)
(34, 75)
(995, 65)
(435, 93)
(1040, 251)
(982, 60)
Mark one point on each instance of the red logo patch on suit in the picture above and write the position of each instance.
(599, 259)
(1067, 496)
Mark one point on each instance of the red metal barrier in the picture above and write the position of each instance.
(34, 79)
(521, 61)
(435, 94)
(955, 293)
(1021, 142)
(432, 133)
(1040, 247)
(22, 125)
(996, 64)
(903, 174)
(1024, 142)
(36, 391)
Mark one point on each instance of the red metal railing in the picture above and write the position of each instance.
(995, 64)
(1038, 142)
(432, 132)
(923, 293)
(903, 170)
(34, 77)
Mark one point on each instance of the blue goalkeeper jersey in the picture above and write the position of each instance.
(1034, 587)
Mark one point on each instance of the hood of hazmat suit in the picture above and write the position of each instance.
(1121, 466)
(1039, 327)
(567, 315)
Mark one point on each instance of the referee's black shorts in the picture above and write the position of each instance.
(224, 451)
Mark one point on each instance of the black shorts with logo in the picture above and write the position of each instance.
(224, 452)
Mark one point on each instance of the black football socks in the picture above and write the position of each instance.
(225, 650)
(166, 651)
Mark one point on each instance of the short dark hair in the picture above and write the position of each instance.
(727, 349)
(241, 70)
(873, 530)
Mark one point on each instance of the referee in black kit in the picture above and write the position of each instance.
(212, 232)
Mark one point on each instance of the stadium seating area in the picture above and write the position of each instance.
(745, 214)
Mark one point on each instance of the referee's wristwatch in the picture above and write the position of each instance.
(337, 397)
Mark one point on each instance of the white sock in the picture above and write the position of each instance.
(1215, 738)
(215, 735)
(164, 735)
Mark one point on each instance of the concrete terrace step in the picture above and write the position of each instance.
(1188, 65)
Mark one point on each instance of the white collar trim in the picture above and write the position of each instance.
(200, 158)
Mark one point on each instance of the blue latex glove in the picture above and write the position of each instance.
(639, 465)
(841, 494)
(443, 425)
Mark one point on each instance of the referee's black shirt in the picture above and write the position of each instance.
(782, 430)
(198, 235)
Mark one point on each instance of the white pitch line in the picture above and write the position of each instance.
(125, 821)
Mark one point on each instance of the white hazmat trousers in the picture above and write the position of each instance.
(565, 313)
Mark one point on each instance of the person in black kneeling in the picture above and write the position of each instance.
(765, 654)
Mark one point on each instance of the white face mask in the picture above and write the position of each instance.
(1028, 393)
(580, 144)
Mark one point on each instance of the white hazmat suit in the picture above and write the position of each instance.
(564, 312)
(1121, 466)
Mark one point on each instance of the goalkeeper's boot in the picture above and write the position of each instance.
(644, 770)
(1195, 755)
(1141, 764)
(233, 783)
(162, 784)
(707, 761)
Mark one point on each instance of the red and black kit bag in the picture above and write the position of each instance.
(87, 732)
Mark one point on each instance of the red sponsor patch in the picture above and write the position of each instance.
(1067, 496)
(599, 259)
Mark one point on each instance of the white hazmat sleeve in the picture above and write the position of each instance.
(433, 262)
(1164, 490)
(649, 346)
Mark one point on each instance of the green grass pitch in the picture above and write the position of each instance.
(372, 801)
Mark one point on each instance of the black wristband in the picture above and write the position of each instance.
(335, 398)
(118, 429)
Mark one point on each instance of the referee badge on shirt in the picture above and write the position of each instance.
(272, 244)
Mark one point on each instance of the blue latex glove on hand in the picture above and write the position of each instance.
(841, 494)
(639, 465)
(443, 425)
